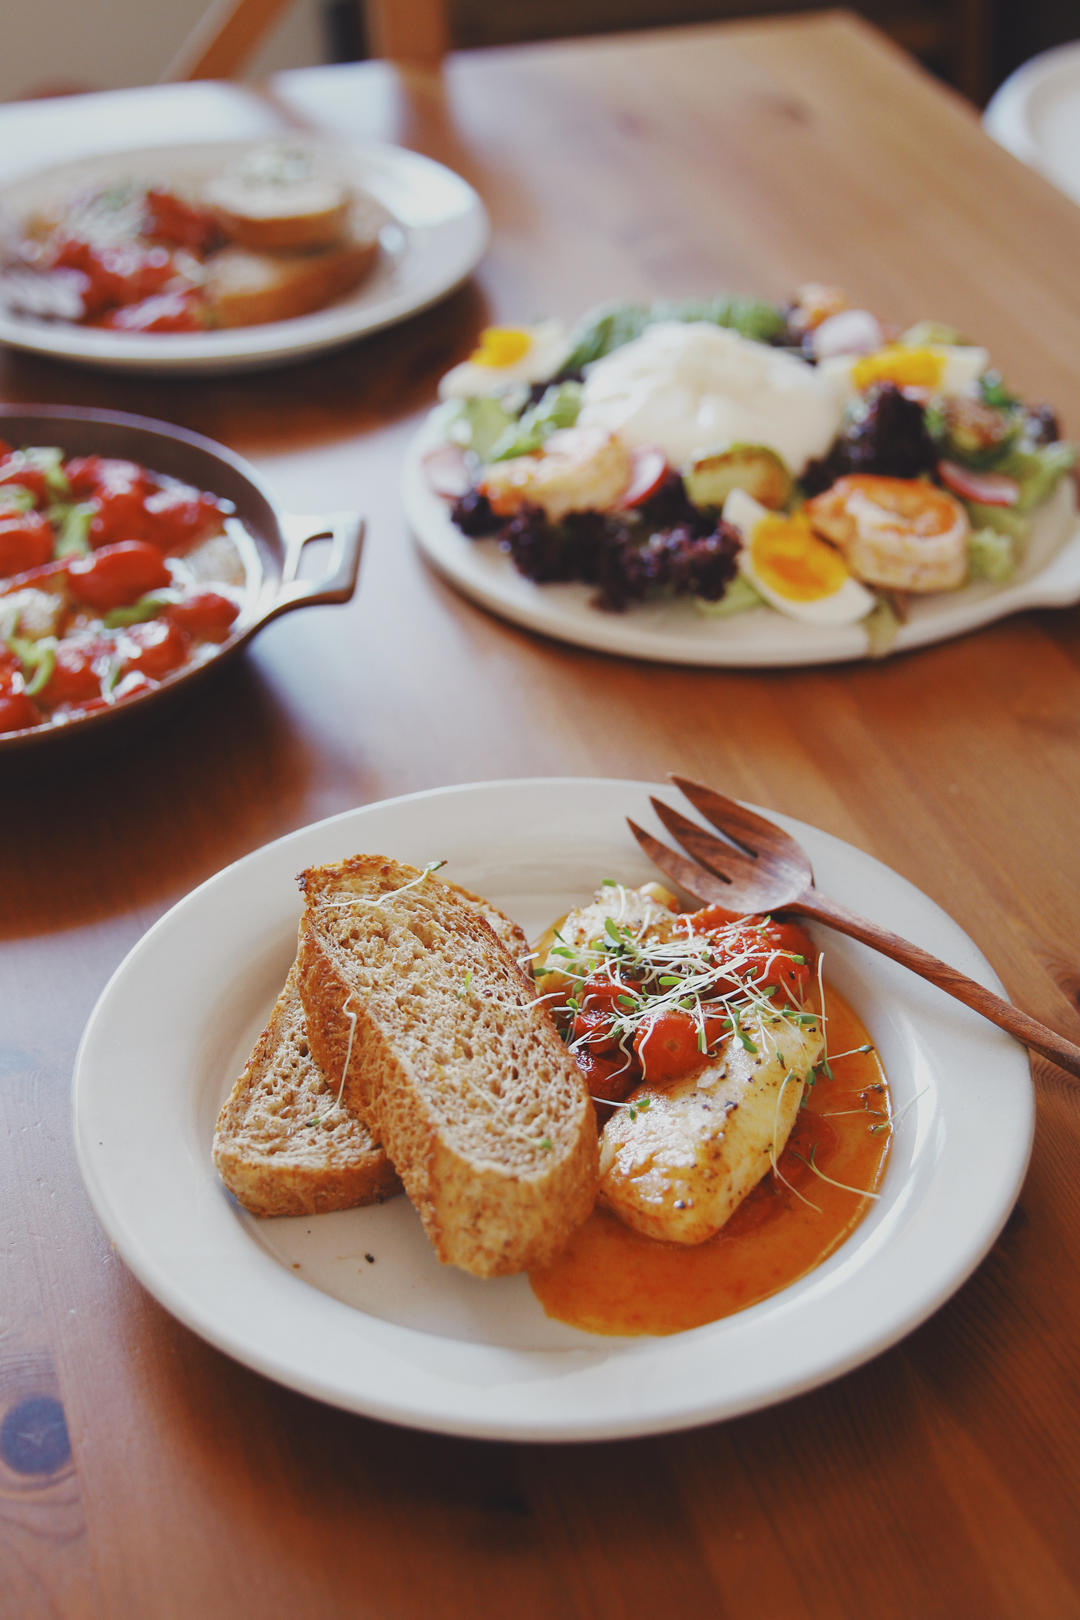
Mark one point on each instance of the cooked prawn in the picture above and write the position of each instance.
(578, 470)
(900, 533)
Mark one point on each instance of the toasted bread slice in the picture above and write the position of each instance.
(248, 288)
(430, 1026)
(283, 1144)
(280, 196)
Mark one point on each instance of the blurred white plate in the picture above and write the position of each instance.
(676, 632)
(439, 232)
(353, 1308)
(1035, 114)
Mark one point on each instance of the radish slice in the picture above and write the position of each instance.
(851, 331)
(447, 471)
(987, 488)
(647, 473)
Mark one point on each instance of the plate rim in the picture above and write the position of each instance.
(413, 1412)
(273, 343)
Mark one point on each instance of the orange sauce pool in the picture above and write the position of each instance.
(613, 1280)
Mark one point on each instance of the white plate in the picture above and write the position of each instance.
(438, 234)
(401, 1338)
(1035, 114)
(676, 632)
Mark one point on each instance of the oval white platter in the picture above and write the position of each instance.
(354, 1309)
(437, 233)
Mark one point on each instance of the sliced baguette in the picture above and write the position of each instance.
(284, 1144)
(430, 1026)
(281, 195)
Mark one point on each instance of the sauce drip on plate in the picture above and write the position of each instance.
(612, 1280)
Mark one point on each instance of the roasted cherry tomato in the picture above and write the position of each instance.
(118, 575)
(18, 712)
(153, 649)
(15, 469)
(177, 518)
(609, 1076)
(26, 541)
(75, 675)
(668, 1045)
(88, 474)
(208, 616)
(171, 219)
(119, 514)
(117, 275)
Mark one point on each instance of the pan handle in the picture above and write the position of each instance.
(346, 530)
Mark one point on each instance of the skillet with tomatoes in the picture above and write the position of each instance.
(112, 579)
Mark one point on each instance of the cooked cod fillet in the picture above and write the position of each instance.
(678, 1169)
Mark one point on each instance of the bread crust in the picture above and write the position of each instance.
(431, 1028)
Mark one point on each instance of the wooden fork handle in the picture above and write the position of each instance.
(1037, 1036)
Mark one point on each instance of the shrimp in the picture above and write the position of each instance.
(900, 533)
(578, 470)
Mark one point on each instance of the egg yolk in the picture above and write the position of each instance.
(501, 346)
(790, 559)
(907, 368)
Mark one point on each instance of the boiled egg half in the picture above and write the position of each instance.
(796, 571)
(934, 368)
(506, 355)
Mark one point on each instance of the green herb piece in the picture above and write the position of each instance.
(72, 524)
(147, 607)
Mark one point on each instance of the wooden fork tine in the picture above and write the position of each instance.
(729, 817)
(699, 885)
(726, 860)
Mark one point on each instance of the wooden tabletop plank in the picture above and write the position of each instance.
(941, 1479)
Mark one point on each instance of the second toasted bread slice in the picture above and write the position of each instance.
(431, 1027)
(283, 1144)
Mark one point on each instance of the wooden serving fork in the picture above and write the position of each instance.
(759, 868)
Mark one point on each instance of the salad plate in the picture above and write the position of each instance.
(728, 481)
(354, 1309)
(436, 233)
(674, 631)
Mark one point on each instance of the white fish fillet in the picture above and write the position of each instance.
(679, 1169)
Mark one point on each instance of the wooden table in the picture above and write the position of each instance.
(940, 1480)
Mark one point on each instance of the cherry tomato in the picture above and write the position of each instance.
(609, 1077)
(75, 676)
(164, 312)
(764, 950)
(153, 649)
(668, 1045)
(119, 514)
(208, 616)
(15, 469)
(26, 541)
(88, 474)
(118, 575)
(18, 712)
(123, 274)
(171, 219)
(177, 518)
(594, 1030)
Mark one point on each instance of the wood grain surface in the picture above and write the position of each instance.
(142, 1473)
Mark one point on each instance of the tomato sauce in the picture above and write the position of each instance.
(613, 1280)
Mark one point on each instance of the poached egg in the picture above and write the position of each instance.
(692, 388)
